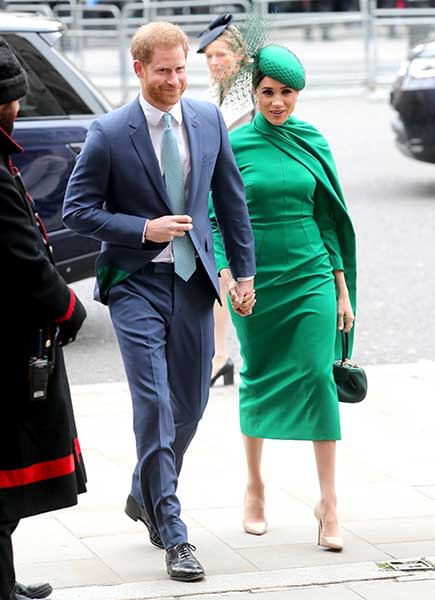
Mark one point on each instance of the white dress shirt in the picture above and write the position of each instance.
(154, 118)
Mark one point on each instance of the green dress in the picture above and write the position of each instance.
(287, 345)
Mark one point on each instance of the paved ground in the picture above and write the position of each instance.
(386, 484)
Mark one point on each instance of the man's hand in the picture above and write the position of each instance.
(241, 293)
(68, 329)
(244, 298)
(165, 229)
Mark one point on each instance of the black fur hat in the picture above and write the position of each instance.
(13, 78)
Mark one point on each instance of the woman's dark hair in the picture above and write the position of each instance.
(257, 77)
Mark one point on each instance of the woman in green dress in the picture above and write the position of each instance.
(305, 286)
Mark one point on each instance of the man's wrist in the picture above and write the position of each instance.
(144, 235)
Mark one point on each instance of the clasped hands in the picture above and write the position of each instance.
(241, 293)
(169, 227)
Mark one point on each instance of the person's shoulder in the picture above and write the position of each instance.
(242, 133)
(115, 118)
(8, 192)
(201, 107)
(309, 131)
(211, 94)
(5, 175)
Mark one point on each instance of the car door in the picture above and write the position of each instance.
(51, 127)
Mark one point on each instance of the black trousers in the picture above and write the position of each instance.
(7, 571)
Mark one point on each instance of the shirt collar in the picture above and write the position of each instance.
(154, 115)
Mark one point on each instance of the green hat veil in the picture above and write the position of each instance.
(281, 64)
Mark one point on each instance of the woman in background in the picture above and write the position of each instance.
(226, 52)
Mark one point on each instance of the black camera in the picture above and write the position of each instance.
(40, 367)
(38, 375)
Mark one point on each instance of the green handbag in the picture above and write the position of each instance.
(350, 379)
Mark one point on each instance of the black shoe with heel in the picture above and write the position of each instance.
(21, 597)
(227, 372)
(41, 590)
(136, 512)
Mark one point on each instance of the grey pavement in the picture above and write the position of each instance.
(386, 486)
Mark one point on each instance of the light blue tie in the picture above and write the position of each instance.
(182, 247)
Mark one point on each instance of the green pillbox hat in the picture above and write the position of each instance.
(281, 64)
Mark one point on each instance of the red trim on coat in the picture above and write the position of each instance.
(70, 309)
(77, 448)
(49, 469)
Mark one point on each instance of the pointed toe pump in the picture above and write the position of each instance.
(255, 526)
(330, 542)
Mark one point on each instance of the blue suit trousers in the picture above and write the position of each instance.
(164, 327)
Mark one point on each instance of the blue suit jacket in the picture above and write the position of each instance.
(117, 185)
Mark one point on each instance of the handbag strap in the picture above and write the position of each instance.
(344, 346)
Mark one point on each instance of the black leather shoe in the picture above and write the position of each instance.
(20, 597)
(136, 512)
(182, 565)
(41, 590)
(226, 371)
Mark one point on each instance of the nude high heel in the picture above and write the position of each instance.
(327, 541)
(254, 527)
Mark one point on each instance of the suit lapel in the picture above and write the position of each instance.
(141, 140)
(194, 136)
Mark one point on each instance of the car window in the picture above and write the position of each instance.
(49, 94)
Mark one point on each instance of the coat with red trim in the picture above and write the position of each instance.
(41, 467)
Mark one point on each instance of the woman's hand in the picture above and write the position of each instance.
(241, 293)
(345, 315)
(246, 298)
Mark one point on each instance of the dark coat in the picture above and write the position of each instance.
(41, 467)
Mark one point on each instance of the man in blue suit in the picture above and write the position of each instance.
(141, 186)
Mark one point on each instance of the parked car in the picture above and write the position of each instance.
(51, 126)
(413, 100)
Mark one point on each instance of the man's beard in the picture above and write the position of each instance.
(7, 119)
(161, 97)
